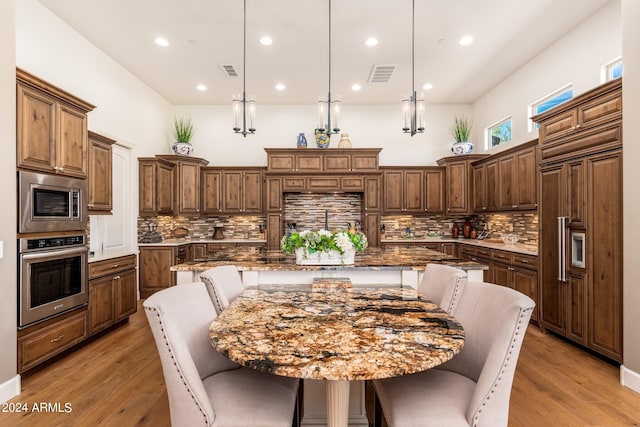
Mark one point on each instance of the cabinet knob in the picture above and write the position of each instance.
(58, 339)
(115, 266)
(116, 278)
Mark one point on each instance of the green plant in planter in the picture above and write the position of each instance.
(182, 130)
(461, 129)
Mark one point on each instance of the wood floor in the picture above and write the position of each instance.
(116, 380)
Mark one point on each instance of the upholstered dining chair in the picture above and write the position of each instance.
(443, 285)
(224, 284)
(204, 387)
(473, 388)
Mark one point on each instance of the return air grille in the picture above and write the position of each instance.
(381, 73)
(229, 70)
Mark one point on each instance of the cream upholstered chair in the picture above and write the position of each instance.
(204, 387)
(443, 285)
(224, 284)
(473, 388)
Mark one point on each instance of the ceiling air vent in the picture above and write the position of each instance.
(229, 70)
(381, 73)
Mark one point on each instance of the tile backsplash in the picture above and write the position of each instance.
(235, 227)
(308, 210)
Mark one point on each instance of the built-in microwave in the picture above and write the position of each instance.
(51, 203)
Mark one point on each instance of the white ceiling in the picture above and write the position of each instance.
(207, 33)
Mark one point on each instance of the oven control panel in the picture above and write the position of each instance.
(51, 242)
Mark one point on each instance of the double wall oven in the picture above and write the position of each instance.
(52, 247)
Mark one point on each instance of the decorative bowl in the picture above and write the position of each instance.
(182, 148)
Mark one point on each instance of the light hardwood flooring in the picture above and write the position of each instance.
(116, 380)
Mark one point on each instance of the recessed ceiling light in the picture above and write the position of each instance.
(266, 40)
(356, 87)
(371, 41)
(466, 41)
(280, 87)
(427, 86)
(201, 87)
(161, 41)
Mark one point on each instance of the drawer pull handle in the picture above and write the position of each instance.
(58, 339)
(115, 266)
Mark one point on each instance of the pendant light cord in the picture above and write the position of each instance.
(329, 94)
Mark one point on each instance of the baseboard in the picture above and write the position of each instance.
(629, 378)
(10, 389)
(354, 421)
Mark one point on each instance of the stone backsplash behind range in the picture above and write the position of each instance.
(307, 210)
(235, 227)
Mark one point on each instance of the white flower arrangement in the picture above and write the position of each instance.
(323, 241)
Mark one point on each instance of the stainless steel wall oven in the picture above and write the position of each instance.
(52, 277)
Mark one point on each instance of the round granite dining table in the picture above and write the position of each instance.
(336, 335)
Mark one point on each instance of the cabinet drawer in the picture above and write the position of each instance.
(353, 184)
(291, 184)
(109, 266)
(525, 261)
(47, 342)
(329, 183)
(555, 127)
(468, 252)
(506, 257)
(483, 253)
(215, 248)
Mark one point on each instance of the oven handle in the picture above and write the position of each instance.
(57, 253)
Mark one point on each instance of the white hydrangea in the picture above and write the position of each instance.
(304, 233)
(343, 242)
(324, 233)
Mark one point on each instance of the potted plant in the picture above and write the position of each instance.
(182, 132)
(461, 131)
(324, 247)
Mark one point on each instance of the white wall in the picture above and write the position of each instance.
(575, 58)
(9, 381)
(127, 110)
(278, 126)
(631, 176)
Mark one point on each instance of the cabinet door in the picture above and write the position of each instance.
(526, 281)
(252, 192)
(337, 162)
(211, 191)
(36, 130)
(232, 192)
(447, 248)
(71, 149)
(364, 162)
(198, 251)
(372, 228)
(502, 275)
(480, 186)
(274, 230)
(101, 304)
(393, 191)
(434, 190)
(164, 189)
(604, 243)
(100, 177)
(281, 163)
(155, 263)
(457, 183)
(274, 194)
(372, 194)
(552, 294)
(506, 180)
(414, 191)
(526, 196)
(576, 193)
(188, 189)
(146, 188)
(493, 186)
(308, 163)
(125, 294)
(576, 307)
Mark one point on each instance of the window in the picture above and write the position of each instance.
(499, 133)
(611, 70)
(549, 101)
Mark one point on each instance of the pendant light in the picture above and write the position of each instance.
(244, 109)
(329, 109)
(413, 108)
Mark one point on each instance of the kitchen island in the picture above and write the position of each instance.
(395, 267)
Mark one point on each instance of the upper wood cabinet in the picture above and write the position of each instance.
(155, 187)
(186, 183)
(313, 160)
(403, 190)
(434, 190)
(486, 186)
(100, 185)
(459, 183)
(51, 128)
(232, 191)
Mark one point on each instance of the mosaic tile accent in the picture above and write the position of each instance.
(235, 227)
(307, 210)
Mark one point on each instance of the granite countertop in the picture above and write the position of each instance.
(96, 258)
(518, 248)
(372, 259)
(187, 241)
(352, 334)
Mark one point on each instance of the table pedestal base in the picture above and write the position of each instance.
(337, 403)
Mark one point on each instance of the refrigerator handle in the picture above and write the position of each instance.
(562, 248)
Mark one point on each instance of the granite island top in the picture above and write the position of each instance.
(397, 258)
(352, 334)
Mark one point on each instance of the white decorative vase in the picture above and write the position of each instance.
(330, 257)
(182, 148)
(464, 147)
(345, 142)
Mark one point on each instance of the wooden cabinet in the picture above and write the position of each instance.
(459, 183)
(51, 128)
(155, 262)
(434, 195)
(486, 184)
(112, 292)
(403, 190)
(232, 191)
(275, 229)
(581, 180)
(100, 184)
(372, 207)
(313, 160)
(211, 187)
(186, 188)
(156, 185)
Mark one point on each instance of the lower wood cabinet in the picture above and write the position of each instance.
(112, 292)
(155, 262)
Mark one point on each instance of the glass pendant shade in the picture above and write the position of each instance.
(329, 116)
(244, 109)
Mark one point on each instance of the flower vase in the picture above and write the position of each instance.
(460, 148)
(345, 142)
(182, 148)
(322, 139)
(330, 257)
(302, 141)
